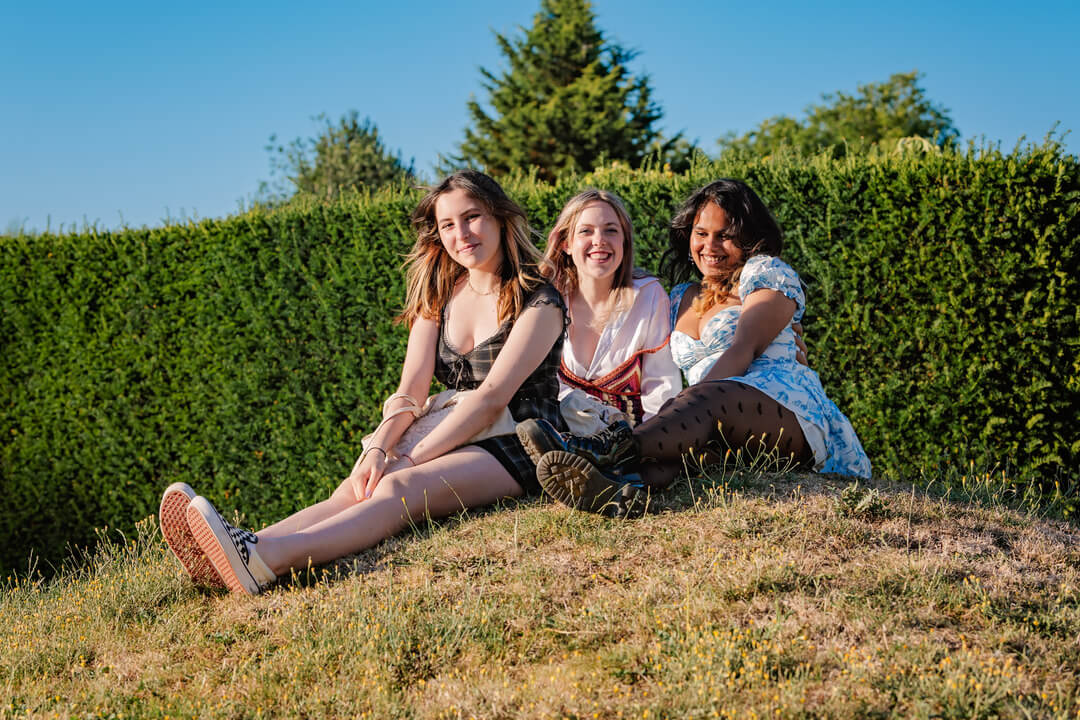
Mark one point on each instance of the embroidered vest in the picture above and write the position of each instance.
(620, 388)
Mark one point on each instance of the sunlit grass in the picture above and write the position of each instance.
(743, 594)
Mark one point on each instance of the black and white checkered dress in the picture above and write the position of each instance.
(538, 396)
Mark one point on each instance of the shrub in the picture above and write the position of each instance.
(247, 356)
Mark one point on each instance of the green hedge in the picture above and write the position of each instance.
(247, 356)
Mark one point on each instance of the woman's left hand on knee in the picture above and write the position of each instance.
(366, 474)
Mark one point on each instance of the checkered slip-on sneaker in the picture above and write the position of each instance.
(574, 481)
(174, 527)
(230, 549)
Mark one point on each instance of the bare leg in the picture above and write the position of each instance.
(341, 499)
(711, 417)
(305, 518)
(465, 478)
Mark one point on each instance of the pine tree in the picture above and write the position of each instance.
(566, 102)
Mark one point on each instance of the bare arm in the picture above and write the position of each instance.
(416, 376)
(765, 313)
(530, 340)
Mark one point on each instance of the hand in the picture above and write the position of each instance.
(367, 472)
(800, 345)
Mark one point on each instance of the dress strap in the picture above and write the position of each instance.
(677, 293)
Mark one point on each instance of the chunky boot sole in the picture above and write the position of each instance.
(536, 440)
(575, 482)
(210, 532)
(172, 515)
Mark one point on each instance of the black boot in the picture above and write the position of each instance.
(576, 482)
(611, 448)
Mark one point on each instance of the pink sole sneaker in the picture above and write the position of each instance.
(174, 527)
(230, 550)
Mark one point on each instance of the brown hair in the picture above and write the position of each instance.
(430, 273)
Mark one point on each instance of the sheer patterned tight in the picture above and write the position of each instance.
(712, 417)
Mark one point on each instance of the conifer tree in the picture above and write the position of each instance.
(566, 102)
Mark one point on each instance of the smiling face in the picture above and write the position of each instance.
(712, 245)
(470, 234)
(597, 242)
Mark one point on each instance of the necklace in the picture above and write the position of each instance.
(468, 281)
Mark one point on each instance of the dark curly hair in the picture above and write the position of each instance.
(755, 230)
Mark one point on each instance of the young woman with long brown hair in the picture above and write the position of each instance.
(481, 318)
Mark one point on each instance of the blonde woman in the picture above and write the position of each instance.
(481, 318)
(617, 342)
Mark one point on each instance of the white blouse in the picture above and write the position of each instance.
(644, 326)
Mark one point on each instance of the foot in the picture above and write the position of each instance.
(576, 482)
(230, 549)
(174, 527)
(610, 448)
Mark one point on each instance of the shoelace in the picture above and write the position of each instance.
(240, 539)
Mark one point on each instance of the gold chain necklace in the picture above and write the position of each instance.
(468, 281)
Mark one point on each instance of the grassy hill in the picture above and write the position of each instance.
(743, 594)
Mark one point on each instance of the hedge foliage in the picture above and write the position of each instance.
(247, 356)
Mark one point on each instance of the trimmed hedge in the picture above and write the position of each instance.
(247, 356)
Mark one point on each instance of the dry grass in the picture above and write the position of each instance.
(747, 596)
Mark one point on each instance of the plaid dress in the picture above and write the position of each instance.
(538, 396)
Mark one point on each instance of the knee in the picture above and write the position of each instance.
(395, 485)
(345, 495)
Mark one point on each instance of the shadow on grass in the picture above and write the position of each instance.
(767, 478)
(711, 487)
(388, 552)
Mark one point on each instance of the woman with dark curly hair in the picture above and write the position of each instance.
(732, 337)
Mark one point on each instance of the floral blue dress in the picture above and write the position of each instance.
(775, 372)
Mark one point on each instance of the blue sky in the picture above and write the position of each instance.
(129, 113)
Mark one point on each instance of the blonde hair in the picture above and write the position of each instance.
(557, 265)
(431, 274)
